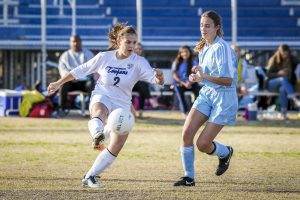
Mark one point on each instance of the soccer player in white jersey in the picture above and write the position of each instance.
(217, 102)
(119, 70)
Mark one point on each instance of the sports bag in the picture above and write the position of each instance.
(42, 109)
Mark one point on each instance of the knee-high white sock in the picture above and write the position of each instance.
(102, 162)
(95, 125)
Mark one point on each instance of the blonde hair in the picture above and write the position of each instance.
(217, 19)
(118, 32)
(278, 59)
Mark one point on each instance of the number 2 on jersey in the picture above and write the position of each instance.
(117, 80)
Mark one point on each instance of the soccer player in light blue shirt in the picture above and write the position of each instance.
(217, 103)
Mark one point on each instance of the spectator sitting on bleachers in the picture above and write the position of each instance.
(248, 79)
(142, 88)
(281, 77)
(69, 60)
(181, 68)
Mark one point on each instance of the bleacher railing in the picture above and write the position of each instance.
(6, 4)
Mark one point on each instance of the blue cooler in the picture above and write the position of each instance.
(10, 100)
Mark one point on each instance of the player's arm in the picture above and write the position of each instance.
(149, 74)
(199, 75)
(218, 80)
(54, 86)
(225, 63)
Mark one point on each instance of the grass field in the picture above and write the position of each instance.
(47, 158)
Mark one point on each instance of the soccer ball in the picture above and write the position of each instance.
(120, 121)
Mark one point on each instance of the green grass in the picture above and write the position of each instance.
(46, 159)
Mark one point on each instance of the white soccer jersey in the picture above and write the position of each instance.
(117, 77)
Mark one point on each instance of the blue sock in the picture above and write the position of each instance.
(188, 157)
(221, 150)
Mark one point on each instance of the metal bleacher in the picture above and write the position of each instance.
(166, 23)
(267, 20)
(91, 23)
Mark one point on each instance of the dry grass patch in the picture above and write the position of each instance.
(46, 159)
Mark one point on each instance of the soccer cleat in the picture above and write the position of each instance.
(98, 140)
(101, 147)
(185, 181)
(224, 162)
(91, 182)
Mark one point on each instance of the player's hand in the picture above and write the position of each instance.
(197, 74)
(159, 75)
(195, 69)
(200, 72)
(157, 72)
(53, 87)
(194, 78)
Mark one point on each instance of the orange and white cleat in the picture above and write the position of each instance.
(101, 147)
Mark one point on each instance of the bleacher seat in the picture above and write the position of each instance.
(24, 10)
(10, 11)
(256, 3)
(67, 21)
(163, 20)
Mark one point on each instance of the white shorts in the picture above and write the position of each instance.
(108, 102)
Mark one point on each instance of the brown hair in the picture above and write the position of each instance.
(117, 32)
(217, 19)
(179, 59)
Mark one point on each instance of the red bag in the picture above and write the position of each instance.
(42, 109)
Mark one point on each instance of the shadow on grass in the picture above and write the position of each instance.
(231, 186)
(165, 119)
(160, 121)
(293, 123)
(240, 122)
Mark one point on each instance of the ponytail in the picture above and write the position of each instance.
(117, 32)
(217, 19)
(200, 45)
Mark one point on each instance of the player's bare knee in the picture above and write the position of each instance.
(187, 138)
(203, 146)
(99, 114)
